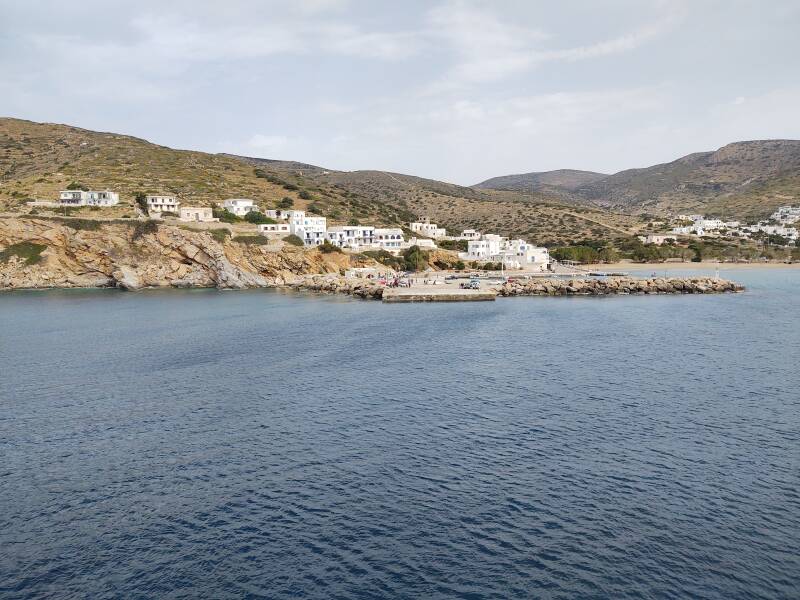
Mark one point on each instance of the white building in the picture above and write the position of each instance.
(88, 198)
(428, 229)
(485, 248)
(389, 239)
(274, 230)
(470, 234)
(787, 214)
(657, 238)
(159, 204)
(355, 237)
(514, 254)
(199, 214)
(239, 206)
(309, 228)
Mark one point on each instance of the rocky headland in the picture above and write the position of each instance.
(75, 253)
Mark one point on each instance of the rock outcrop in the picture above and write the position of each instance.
(135, 255)
(360, 288)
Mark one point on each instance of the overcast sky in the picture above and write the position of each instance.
(456, 90)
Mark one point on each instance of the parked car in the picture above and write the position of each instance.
(470, 285)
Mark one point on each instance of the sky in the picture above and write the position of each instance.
(455, 90)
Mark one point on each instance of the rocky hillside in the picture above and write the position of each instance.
(744, 180)
(38, 159)
(39, 253)
(548, 181)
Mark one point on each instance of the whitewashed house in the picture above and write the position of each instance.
(159, 204)
(787, 214)
(514, 254)
(390, 239)
(239, 206)
(485, 248)
(274, 230)
(355, 237)
(199, 214)
(657, 238)
(428, 229)
(88, 198)
(309, 228)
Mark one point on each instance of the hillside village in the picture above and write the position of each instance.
(313, 230)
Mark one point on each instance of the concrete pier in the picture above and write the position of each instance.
(443, 293)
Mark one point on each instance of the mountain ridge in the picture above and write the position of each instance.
(741, 179)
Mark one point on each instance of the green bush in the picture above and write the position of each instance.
(258, 240)
(388, 259)
(456, 245)
(460, 266)
(141, 199)
(258, 218)
(326, 247)
(77, 186)
(305, 195)
(293, 240)
(30, 252)
(224, 215)
(286, 202)
(219, 235)
(290, 187)
(415, 259)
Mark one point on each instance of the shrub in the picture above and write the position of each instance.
(460, 266)
(258, 240)
(457, 245)
(415, 259)
(141, 199)
(258, 218)
(30, 252)
(286, 202)
(326, 247)
(142, 228)
(80, 224)
(77, 186)
(219, 235)
(386, 258)
(293, 240)
(224, 215)
(290, 187)
(305, 195)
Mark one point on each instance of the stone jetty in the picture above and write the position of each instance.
(371, 290)
(618, 285)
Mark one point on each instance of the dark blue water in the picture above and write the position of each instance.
(257, 444)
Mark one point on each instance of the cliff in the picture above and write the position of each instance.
(47, 253)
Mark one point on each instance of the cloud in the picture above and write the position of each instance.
(489, 49)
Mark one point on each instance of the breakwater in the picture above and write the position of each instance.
(371, 290)
(618, 285)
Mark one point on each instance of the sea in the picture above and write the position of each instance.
(268, 444)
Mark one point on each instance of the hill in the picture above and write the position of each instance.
(39, 159)
(562, 179)
(744, 180)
